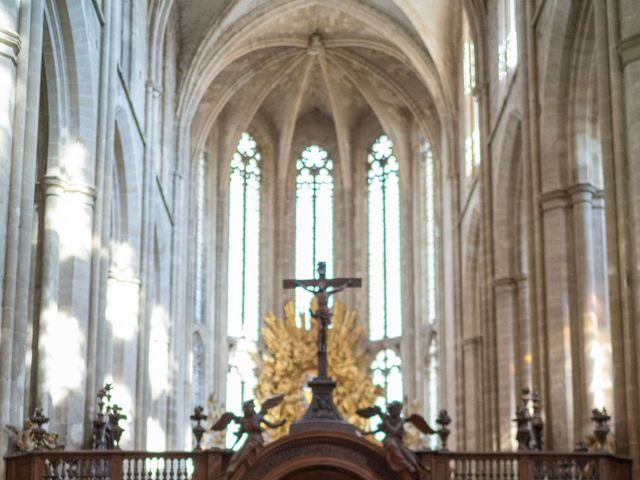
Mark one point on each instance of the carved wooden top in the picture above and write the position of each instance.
(330, 455)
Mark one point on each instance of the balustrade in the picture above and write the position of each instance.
(208, 465)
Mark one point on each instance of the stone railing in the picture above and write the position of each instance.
(526, 466)
(210, 465)
(116, 465)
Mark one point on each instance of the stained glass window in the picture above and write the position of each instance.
(508, 38)
(386, 373)
(471, 107)
(243, 273)
(385, 312)
(314, 217)
(430, 233)
(432, 385)
(244, 240)
(197, 378)
(199, 263)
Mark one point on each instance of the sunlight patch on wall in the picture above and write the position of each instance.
(74, 159)
(122, 307)
(73, 224)
(63, 359)
(156, 436)
(598, 356)
(159, 352)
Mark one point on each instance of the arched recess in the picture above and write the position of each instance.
(121, 340)
(590, 269)
(42, 161)
(59, 135)
(574, 230)
(510, 288)
(474, 339)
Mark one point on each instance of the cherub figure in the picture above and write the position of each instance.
(398, 455)
(251, 424)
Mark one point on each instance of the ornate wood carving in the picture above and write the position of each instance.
(342, 455)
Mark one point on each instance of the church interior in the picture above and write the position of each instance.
(347, 213)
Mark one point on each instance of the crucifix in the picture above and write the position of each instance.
(322, 412)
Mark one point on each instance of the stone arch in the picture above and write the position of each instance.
(555, 77)
(127, 157)
(582, 108)
(71, 38)
(55, 72)
(507, 187)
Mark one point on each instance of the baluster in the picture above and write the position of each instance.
(142, 470)
(177, 467)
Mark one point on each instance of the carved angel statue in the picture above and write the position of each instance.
(250, 423)
(398, 455)
(33, 436)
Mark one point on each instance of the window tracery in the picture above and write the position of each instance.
(385, 311)
(243, 272)
(508, 38)
(471, 106)
(314, 217)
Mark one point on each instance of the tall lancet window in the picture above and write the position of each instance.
(199, 260)
(385, 311)
(430, 324)
(314, 217)
(243, 272)
(470, 99)
(507, 38)
(244, 240)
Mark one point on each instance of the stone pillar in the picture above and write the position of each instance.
(506, 297)
(559, 329)
(122, 315)
(596, 383)
(472, 392)
(524, 373)
(53, 189)
(10, 46)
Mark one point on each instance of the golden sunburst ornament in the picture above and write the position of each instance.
(289, 362)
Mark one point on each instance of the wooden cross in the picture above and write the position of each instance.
(323, 288)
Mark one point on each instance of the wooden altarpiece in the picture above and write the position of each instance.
(312, 455)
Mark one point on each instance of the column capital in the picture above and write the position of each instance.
(554, 199)
(582, 193)
(10, 45)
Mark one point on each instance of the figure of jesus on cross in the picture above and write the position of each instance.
(322, 412)
(323, 288)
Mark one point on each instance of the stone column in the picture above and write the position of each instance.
(506, 297)
(559, 329)
(595, 355)
(472, 392)
(25, 153)
(53, 189)
(10, 46)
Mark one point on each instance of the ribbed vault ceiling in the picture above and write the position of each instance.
(284, 61)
